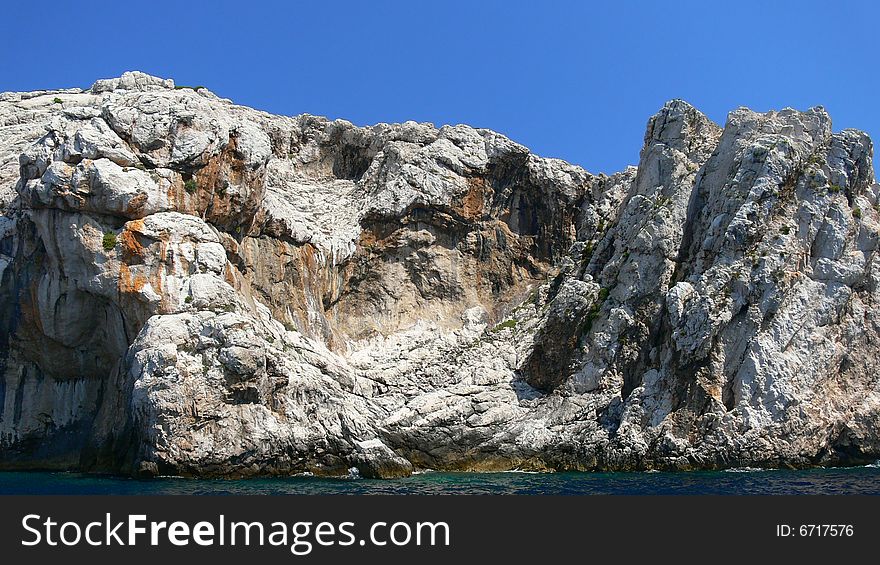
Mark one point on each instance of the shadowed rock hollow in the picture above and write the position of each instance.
(192, 287)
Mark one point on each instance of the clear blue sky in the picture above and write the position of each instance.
(574, 80)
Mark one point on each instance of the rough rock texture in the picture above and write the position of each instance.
(192, 287)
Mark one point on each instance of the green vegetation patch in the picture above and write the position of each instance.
(594, 310)
(506, 324)
(109, 241)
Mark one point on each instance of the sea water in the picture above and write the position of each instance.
(853, 480)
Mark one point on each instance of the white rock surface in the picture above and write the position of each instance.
(192, 287)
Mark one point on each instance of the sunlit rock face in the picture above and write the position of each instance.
(192, 287)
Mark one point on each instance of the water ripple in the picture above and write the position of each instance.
(856, 480)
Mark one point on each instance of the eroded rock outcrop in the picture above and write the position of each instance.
(193, 287)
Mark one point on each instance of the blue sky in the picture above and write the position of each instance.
(575, 80)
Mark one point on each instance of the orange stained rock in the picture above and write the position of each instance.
(132, 250)
(229, 275)
(472, 204)
(130, 282)
(133, 277)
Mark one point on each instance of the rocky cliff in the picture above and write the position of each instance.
(192, 287)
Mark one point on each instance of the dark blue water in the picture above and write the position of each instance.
(857, 480)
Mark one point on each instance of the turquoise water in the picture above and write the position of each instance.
(856, 480)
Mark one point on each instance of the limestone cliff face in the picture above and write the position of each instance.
(192, 287)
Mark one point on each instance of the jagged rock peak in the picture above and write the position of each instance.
(132, 80)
